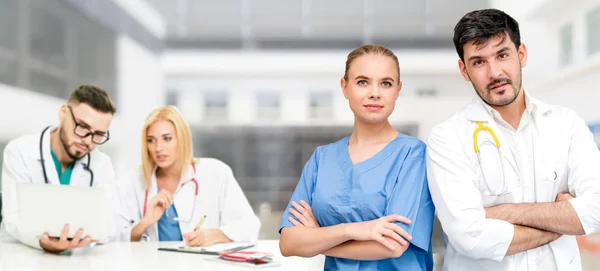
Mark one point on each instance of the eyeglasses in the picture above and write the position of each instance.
(97, 137)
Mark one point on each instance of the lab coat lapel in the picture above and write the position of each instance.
(542, 145)
(477, 112)
(80, 176)
(152, 231)
(48, 161)
(184, 201)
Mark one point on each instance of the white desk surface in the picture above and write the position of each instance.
(135, 256)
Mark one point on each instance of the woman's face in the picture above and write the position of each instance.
(372, 87)
(162, 143)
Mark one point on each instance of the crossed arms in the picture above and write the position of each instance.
(498, 231)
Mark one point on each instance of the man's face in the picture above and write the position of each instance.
(494, 69)
(82, 128)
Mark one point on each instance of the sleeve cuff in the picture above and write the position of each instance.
(499, 234)
(583, 213)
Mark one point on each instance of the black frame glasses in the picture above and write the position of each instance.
(83, 132)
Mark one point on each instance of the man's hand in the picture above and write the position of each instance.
(57, 245)
(304, 215)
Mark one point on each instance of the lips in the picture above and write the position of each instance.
(374, 106)
(161, 158)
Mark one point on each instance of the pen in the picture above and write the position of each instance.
(200, 223)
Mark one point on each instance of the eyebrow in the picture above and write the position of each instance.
(504, 49)
(167, 134)
(87, 126)
(367, 78)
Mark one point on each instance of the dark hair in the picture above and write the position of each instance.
(481, 25)
(93, 96)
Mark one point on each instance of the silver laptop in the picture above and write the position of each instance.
(47, 208)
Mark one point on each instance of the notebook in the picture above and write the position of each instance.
(209, 250)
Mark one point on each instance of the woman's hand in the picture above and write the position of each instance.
(207, 237)
(304, 215)
(157, 206)
(376, 230)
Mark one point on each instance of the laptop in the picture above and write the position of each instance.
(47, 208)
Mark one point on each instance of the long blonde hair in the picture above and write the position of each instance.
(184, 141)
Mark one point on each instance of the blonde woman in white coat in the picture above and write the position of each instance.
(167, 197)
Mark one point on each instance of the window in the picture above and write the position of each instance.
(321, 105)
(87, 54)
(48, 37)
(216, 105)
(48, 84)
(268, 104)
(566, 45)
(8, 23)
(172, 97)
(593, 31)
(9, 71)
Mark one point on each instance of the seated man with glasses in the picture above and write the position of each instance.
(60, 155)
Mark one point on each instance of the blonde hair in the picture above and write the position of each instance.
(373, 49)
(184, 141)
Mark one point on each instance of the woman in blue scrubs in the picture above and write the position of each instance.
(364, 201)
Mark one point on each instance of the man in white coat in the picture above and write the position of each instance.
(513, 179)
(61, 155)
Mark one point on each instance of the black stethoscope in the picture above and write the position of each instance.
(85, 166)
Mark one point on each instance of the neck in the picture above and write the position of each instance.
(368, 134)
(59, 149)
(513, 112)
(169, 173)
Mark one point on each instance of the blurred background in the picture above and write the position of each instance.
(258, 80)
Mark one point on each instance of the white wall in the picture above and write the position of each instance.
(296, 74)
(141, 88)
(25, 112)
(576, 85)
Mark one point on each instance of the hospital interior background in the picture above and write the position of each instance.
(258, 81)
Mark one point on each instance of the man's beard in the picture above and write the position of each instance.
(63, 140)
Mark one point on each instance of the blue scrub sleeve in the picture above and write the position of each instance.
(411, 199)
(304, 188)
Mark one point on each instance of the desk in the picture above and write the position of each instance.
(133, 256)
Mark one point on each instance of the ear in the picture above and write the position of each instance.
(62, 112)
(343, 84)
(522, 55)
(463, 70)
(399, 89)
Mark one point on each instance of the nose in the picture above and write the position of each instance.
(159, 146)
(375, 92)
(494, 70)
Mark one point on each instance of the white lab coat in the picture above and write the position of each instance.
(22, 164)
(566, 159)
(220, 198)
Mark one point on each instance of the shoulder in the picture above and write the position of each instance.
(209, 164)
(414, 146)
(330, 148)
(23, 144)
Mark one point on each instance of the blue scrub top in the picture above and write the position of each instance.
(393, 181)
(168, 229)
